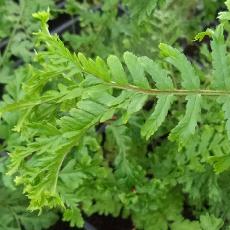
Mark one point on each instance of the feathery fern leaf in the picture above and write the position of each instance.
(221, 70)
(141, 10)
(72, 94)
(190, 80)
(117, 71)
(163, 82)
(220, 60)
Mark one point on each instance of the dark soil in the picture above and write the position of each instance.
(99, 223)
(110, 223)
(62, 226)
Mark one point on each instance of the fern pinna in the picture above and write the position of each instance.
(67, 95)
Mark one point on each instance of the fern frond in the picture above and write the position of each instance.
(190, 80)
(221, 70)
(118, 134)
(220, 60)
(141, 10)
(72, 93)
(117, 71)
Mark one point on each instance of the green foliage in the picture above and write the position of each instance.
(74, 217)
(17, 25)
(206, 222)
(16, 21)
(88, 135)
(137, 26)
(14, 215)
(143, 9)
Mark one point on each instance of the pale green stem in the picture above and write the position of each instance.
(178, 92)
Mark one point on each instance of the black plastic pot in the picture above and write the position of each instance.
(88, 226)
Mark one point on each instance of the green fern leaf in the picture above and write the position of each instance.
(158, 74)
(220, 163)
(210, 222)
(98, 67)
(135, 104)
(220, 60)
(186, 224)
(188, 123)
(74, 217)
(163, 82)
(225, 16)
(118, 73)
(189, 78)
(143, 9)
(137, 72)
(221, 70)
(122, 140)
(158, 116)
(72, 94)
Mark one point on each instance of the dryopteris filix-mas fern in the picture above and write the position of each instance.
(67, 95)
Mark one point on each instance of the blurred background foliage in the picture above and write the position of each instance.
(100, 28)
